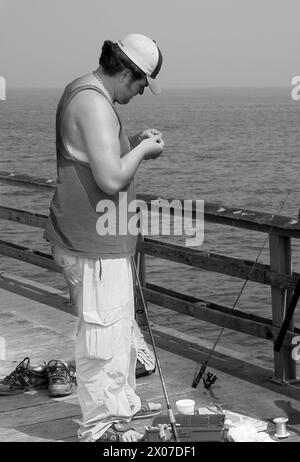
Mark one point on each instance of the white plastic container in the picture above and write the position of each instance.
(185, 406)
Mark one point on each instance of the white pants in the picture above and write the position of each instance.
(105, 350)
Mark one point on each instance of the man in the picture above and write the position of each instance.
(96, 161)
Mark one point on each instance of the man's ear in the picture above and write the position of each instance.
(125, 75)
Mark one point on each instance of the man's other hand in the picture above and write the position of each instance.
(153, 146)
(140, 136)
(149, 133)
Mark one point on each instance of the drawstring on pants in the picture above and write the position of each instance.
(100, 269)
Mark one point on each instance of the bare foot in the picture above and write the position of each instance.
(120, 432)
(154, 406)
(131, 436)
(147, 410)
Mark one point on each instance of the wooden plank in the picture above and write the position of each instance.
(30, 398)
(213, 313)
(9, 320)
(36, 220)
(22, 330)
(217, 263)
(42, 349)
(6, 316)
(189, 347)
(28, 255)
(22, 336)
(14, 325)
(52, 430)
(41, 343)
(237, 217)
(38, 414)
(33, 398)
(215, 213)
(28, 343)
(27, 180)
(10, 435)
(18, 291)
(281, 261)
(7, 280)
(208, 261)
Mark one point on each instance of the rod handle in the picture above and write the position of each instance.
(173, 424)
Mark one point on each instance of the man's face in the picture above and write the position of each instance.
(131, 88)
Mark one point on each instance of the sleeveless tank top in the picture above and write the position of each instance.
(73, 221)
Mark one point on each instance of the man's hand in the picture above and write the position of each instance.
(153, 146)
(140, 136)
(148, 133)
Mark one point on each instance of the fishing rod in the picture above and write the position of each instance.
(170, 410)
(199, 373)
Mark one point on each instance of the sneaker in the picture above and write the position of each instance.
(23, 378)
(61, 376)
(145, 364)
(141, 371)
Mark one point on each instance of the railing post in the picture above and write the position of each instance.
(141, 269)
(281, 262)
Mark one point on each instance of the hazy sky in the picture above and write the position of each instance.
(204, 42)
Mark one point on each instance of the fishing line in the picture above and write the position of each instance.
(199, 375)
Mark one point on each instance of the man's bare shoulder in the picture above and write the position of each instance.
(91, 99)
(87, 94)
(88, 101)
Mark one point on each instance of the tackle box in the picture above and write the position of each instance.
(205, 427)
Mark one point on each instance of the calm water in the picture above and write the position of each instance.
(238, 147)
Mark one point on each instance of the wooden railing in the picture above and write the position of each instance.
(278, 275)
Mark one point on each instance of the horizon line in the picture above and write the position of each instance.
(173, 87)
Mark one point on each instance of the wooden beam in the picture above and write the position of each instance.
(237, 217)
(23, 217)
(27, 180)
(217, 263)
(208, 261)
(281, 261)
(28, 255)
(141, 271)
(214, 213)
(215, 314)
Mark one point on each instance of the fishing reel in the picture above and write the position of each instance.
(208, 381)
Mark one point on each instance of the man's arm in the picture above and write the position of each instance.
(98, 128)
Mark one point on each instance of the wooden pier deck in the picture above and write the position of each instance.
(37, 321)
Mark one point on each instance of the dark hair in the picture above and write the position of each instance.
(113, 60)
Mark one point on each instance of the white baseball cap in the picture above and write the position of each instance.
(146, 55)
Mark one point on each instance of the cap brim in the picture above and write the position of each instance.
(154, 86)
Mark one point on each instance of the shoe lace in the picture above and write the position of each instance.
(16, 376)
(72, 371)
(58, 371)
